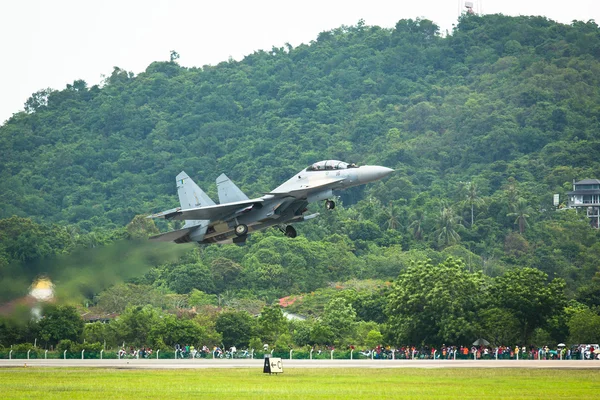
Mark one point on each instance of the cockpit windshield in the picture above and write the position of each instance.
(330, 165)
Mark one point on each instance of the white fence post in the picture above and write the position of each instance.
(65, 355)
(252, 354)
(45, 354)
(291, 351)
(413, 354)
(455, 354)
(157, 351)
(10, 354)
(496, 353)
(475, 355)
(351, 351)
(332, 350)
(434, 353)
(372, 353)
(517, 353)
(101, 351)
(28, 353)
(272, 352)
(82, 351)
(176, 354)
(311, 351)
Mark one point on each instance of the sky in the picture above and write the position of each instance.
(49, 44)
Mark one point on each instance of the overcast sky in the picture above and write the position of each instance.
(50, 43)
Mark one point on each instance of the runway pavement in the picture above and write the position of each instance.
(258, 363)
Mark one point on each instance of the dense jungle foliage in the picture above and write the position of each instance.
(482, 125)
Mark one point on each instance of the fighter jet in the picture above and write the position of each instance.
(237, 215)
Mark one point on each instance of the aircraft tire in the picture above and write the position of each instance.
(330, 204)
(241, 230)
(290, 232)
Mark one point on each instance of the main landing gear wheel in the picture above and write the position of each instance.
(241, 230)
(330, 204)
(290, 232)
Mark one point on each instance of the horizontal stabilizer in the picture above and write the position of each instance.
(171, 236)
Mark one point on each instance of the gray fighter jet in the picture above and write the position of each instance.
(236, 216)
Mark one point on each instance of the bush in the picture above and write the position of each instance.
(88, 347)
(65, 344)
(22, 347)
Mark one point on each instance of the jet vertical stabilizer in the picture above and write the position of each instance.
(228, 191)
(191, 196)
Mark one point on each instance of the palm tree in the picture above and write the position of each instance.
(416, 226)
(392, 222)
(521, 211)
(448, 222)
(471, 198)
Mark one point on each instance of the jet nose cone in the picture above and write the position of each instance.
(370, 173)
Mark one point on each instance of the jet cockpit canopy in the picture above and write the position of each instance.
(330, 165)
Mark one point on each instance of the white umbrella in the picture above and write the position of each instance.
(561, 345)
(480, 342)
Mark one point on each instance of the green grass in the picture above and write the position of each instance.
(88, 383)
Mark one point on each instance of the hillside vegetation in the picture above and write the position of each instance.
(482, 126)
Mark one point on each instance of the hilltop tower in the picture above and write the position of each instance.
(470, 7)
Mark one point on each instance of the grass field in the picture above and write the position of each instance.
(84, 383)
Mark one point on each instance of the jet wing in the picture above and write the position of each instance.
(213, 213)
(303, 191)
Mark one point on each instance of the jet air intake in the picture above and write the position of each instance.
(324, 195)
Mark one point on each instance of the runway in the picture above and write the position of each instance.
(258, 363)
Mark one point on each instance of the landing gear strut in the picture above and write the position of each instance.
(329, 204)
(241, 230)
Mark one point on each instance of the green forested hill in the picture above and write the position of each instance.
(499, 97)
(482, 125)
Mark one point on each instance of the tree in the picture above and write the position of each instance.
(172, 330)
(416, 226)
(470, 197)
(271, 323)
(584, 327)
(521, 211)
(448, 222)
(391, 215)
(198, 298)
(141, 227)
(435, 304)
(499, 326)
(60, 322)
(321, 334)
(236, 328)
(374, 339)
(529, 297)
(136, 325)
(96, 332)
(186, 277)
(339, 316)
